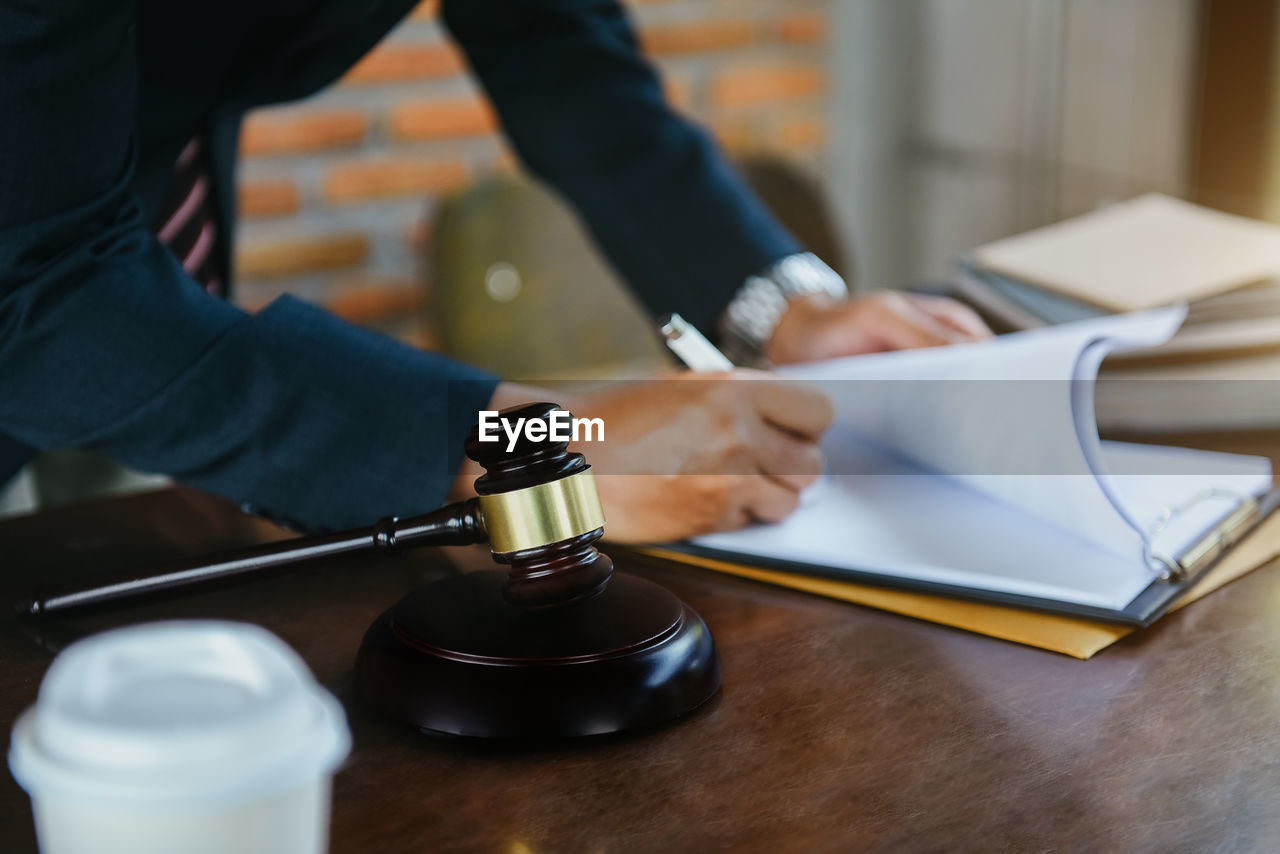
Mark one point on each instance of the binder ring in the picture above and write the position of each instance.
(1171, 569)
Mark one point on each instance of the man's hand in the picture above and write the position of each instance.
(821, 328)
(694, 453)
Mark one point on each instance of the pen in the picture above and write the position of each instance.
(691, 346)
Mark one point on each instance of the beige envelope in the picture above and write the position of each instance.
(1069, 635)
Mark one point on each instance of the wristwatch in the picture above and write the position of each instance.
(748, 321)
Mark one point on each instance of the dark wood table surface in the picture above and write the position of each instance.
(838, 728)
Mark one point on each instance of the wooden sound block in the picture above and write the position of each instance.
(456, 657)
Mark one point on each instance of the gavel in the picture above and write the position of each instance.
(554, 646)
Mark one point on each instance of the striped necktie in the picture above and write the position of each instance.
(187, 225)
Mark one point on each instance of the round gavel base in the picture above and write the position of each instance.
(455, 657)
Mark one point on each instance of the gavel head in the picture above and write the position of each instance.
(540, 509)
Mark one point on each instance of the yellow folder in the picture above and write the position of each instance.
(1068, 635)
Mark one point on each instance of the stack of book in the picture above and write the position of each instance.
(1220, 371)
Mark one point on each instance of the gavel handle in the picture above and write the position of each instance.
(453, 525)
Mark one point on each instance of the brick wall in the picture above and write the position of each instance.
(336, 192)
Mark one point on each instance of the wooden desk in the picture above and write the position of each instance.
(838, 728)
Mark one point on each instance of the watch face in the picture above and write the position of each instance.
(804, 274)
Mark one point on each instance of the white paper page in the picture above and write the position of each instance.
(1144, 483)
(895, 520)
(1002, 416)
(1074, 532)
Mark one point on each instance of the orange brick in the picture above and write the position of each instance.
(737, 137)
(698, 37)
(442, 119)
(280, 132)
(392, 63)
(426, 10)
(370, 300)
(807, 27)
(763, 84)
(678, 90)
(393, 176)
(288, 257)
(267, 198)
(804, 133)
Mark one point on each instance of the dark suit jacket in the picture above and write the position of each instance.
(105, 343)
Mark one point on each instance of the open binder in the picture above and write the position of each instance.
(977, 472)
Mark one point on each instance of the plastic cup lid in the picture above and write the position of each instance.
(188, 711)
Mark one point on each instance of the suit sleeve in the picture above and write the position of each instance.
(106, 344)
(585, 112)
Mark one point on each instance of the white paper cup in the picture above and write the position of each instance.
(194, 737)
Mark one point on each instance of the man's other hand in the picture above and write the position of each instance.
(817, 327)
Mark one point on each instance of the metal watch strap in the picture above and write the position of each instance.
(748, 321)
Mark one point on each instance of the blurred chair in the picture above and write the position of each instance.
(516, 287)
